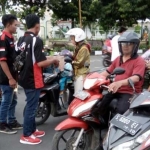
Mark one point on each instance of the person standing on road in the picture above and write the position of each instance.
(81, 63)
(31, 77)
(8, 76)
(114, 44)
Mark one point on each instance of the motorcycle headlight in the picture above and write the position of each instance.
(143, 137)
(124, 146)
(134, 143)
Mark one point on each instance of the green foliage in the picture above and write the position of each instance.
(96, 48)
(70, 48)
(137, 29)
(24, 9)
(143, 46)
(90, 10)
(111, 13)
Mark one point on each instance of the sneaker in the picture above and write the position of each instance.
(38, 133)
(5, 128)
(15, 125)
(31, 140)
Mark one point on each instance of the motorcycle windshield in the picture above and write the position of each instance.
(117, 136)
(141, 100)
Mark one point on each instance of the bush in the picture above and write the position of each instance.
(95, 48)
(143, 46)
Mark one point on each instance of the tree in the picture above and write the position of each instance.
(65, 10)
(25, 7)
(123, 12)
(110, 13)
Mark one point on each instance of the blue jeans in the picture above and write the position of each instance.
(32, 100)
(8, 104)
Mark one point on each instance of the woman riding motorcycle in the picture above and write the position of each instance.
(81, 62)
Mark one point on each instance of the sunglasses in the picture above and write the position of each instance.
(126, 44)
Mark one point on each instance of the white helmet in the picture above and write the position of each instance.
(78, 33)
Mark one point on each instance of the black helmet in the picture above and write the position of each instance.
(129, 37)
(68, 59)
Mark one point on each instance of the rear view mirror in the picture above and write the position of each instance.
(131, 84)
(118, 71)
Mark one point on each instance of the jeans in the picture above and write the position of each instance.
(32, 100)
(8, 104)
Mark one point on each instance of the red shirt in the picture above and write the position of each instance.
(133, 66)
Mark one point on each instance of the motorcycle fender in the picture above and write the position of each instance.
(42, 94)
(71, 123)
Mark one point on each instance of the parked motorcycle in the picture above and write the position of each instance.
(81, 131)
(131, 131)
(50, 102)
(106, 54)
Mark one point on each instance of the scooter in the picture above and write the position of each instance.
(106, 54)
(81, 131)
(131, 131)
(50, 102)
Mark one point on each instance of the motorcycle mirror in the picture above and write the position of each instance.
(118, 71)
(131, 84)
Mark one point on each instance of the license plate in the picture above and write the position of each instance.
(126, 124)
(82, 95)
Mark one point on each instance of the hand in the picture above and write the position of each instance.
(148, 89)
(147, 65)
(113, 87)
(56, 62)
(12, 83)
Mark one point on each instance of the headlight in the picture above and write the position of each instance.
(143, 137)
(124, 146)
(134, 143)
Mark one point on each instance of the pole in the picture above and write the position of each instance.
(80, 16)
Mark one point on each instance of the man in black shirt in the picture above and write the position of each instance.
(8, 76)
(31, 78)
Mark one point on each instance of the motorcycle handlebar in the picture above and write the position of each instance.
(104, 86)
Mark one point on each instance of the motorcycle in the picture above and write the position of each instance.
(106, 54)
(50, 102)
(81, 131)
(131, 131)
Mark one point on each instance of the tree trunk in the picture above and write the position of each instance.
(73, 23)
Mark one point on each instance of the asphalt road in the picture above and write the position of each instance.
(11, 142)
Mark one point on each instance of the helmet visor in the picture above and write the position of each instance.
(128, 48)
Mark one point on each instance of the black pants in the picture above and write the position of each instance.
(123, 103)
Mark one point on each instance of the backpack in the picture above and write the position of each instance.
(21, 50)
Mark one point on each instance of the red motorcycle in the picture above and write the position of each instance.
(81, 130)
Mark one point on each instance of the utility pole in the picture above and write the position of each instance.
(80, 16)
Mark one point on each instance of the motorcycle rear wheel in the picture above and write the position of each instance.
(64, 139)
(42, 113)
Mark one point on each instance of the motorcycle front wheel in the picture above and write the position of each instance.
(64, 140)
(106, 62)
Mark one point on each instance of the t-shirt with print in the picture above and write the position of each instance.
(31, 76)
(8, 54)
(133, 66)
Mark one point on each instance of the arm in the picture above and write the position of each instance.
(125, 82)
(4, 65)
(105, 73)
(48, 62)
(41, 60)
(137, 75)
(6, 69)
(81, 57)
